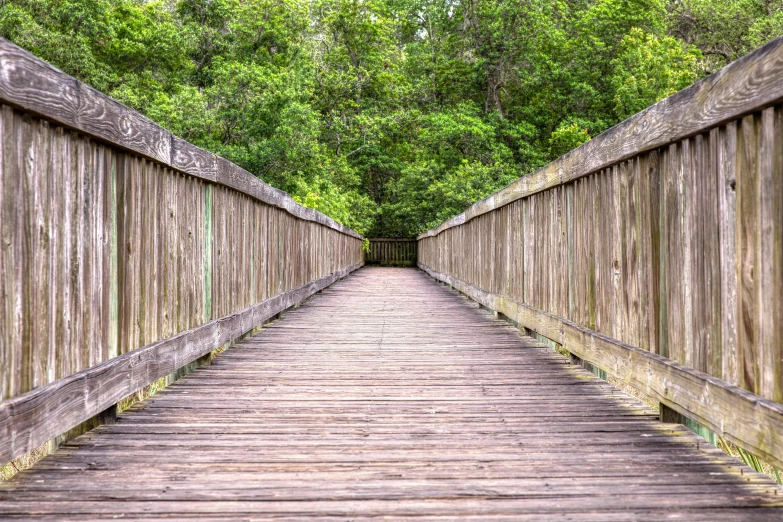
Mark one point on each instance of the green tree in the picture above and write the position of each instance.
(648, 68)
(389, 115)
(724, 30)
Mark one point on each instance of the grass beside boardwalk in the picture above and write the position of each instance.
(25, 461)
(29, 459)
(735, 451)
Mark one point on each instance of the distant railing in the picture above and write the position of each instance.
(397, 251)
(127, 252)
(653, 251)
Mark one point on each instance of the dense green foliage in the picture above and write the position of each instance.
(389, 115)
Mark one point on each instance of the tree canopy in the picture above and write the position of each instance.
(389, 115)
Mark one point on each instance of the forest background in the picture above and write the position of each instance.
(389, 115)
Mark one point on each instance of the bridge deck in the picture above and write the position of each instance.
(390, 394)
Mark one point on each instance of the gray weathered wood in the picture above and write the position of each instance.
(400, 251)
(676, 219)
(31, 419)
(746, 85)
(34, 86)
(107, 230)
(389, 396)
(746, 419)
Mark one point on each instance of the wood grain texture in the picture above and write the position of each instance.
(399, 251)
(753, 423)
(32, 85)
(746, 85)
(106, 249)
(38, 88)
(748, 259)
(107, 225)
(33, 418)
(698, 247)
(675, 249)
(726, 145)
(55, 218)
(770, 244)
(390, 396)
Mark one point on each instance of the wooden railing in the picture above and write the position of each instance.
(127, 252)
(398, 251)
(653, 251)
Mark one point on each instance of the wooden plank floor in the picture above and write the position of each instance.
(390, 396)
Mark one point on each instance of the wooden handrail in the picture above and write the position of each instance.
(39, 415)
(35, 87)
(653, 251)
(744, 86)
(127, 253)
(399, 251)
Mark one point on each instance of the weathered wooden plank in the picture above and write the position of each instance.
(617, 265)
(588, 251)
(748, 420)
(155, 175)
(5, 233)
(37, 88)
(208, 255)
(11, 330)
(604, 266)
(53, 226)
(770, 246)
(169, 255)
(63, 233)
(697, 224)
(629, 252)
(184, 265)
(747, 253)
(28, 221)
(642, 252)
(32, 418)
(192, 160)
(144, 319)
(726, 172)
(712, 319)
(656, 300)
(686, 200)
(388, 395)
(72, 253)
(672, 256)
(105, 285)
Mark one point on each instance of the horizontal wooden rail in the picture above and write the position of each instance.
(744, 86)
(653, 251)
(31, 419)
(126, 252)
(32, 85)
(400, 251)
(748, 420)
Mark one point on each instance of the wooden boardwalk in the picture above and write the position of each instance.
(389, 394)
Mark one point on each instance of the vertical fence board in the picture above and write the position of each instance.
(102, 252)
(399, 251)
(747, 253)
(676, 251)
(770, 254)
